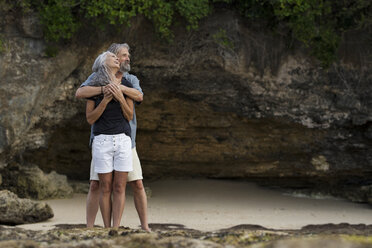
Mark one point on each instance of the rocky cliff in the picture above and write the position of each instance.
(230, 100)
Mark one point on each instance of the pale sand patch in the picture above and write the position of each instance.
(209, 205)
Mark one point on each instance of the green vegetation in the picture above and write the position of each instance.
(63, 18)
(51, 51)
(309, 23)
(318, 24)
(221, 38)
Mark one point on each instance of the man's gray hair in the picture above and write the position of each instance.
(115, 47)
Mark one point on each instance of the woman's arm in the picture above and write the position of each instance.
(92, 114)
(127, 108)
(126, 104)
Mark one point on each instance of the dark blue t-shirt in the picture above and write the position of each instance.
(112, 120)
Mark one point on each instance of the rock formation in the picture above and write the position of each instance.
(15, 211)
(32, 182)
(240, 106)
(168, 235)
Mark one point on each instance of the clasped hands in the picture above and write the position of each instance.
(112, 90)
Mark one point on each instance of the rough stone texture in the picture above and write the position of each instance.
(79, 187)
(358, 194)
(171, 235)
(31, 182)
(254, 110)
(39, 89)
(14, 211)
(329, 242)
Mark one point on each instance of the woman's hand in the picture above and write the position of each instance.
(107, 95)
(115, 90)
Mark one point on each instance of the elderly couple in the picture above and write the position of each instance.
(110, 92)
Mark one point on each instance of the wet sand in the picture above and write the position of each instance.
(209, 205)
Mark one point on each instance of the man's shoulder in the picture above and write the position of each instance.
(134, 81)
(130, 77)
(89, 79)
(126, 82)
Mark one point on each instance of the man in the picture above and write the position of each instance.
(134, 177)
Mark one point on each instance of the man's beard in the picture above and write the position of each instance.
(124, 67)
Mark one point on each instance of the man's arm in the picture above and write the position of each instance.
(88, 91)
(85, 91)
(132, 93)
(136, 92)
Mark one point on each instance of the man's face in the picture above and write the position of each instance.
(124, 59)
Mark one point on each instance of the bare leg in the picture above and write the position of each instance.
(92, 202)
(120, 181)
(105, 187)
(140, 201)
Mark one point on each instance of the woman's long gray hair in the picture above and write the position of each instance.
(102, 75)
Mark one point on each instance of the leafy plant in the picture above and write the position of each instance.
(193, 11)
(318, 24)
(58, 19)
(221, 38)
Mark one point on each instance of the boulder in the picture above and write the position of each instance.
(31, 182)
(14, 210)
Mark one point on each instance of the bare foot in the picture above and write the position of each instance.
(147, 229)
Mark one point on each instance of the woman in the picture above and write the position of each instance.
(111, 149)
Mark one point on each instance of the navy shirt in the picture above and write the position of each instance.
(112, 120)
(133, 123)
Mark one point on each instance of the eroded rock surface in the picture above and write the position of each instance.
(14, 210)
(173, 235)
(32, 182)
(253, 110)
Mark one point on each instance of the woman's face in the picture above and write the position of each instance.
(112, 61)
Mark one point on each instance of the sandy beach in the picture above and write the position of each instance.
(209, 205)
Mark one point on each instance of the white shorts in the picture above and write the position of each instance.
(134, 175)
(112, 152)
